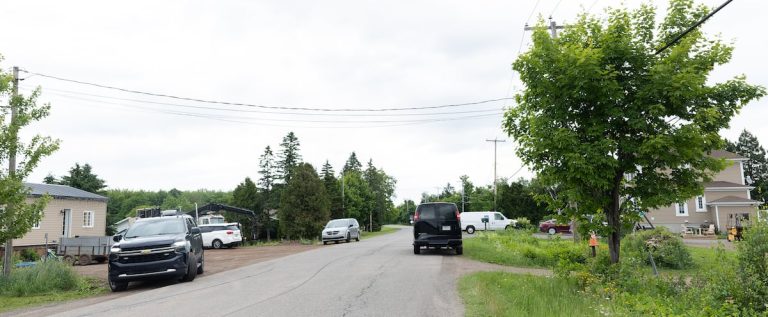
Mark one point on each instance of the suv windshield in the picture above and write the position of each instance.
(155, 228)
(337, 223)
(437, 212)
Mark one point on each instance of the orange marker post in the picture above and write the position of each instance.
(593, 243)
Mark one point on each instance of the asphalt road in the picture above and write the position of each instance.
(375, 277)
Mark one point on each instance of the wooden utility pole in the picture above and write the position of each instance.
(553, 27)
(8, 254)
(495, 143)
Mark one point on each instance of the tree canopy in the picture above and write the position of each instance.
(304, 206)
(81, 177)
(599, 103)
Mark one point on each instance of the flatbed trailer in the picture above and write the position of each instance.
(85, 250)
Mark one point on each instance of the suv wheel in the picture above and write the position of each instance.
(201, 268)
(217, 244)
(552, 231)
(416, 249)
(459, 250)
(470, 229)
(191, 272)
(116, 286)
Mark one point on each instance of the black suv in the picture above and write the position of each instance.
(160, 247)
(437, 225)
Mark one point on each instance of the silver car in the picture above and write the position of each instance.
(341, 229)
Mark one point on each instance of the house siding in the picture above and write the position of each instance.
(52, 221)
(732, 173)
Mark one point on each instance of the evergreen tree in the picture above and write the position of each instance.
(333, 190)
(352, 164)
(50, 179)
(289, 156)
(381, 188)
(83, 178)
(246, 196)
(303, 205)
(267, 170)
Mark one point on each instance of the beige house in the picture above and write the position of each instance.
(71, 212)
(725, 198)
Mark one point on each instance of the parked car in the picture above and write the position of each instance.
(473, 220)
(341, 229)
(551, 226)
(437, 225)
(159, 247)
(221, 235)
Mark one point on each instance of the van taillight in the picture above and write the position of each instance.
(458, 215)
(230, 232)
(416, 216)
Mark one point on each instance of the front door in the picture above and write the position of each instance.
(66, 226)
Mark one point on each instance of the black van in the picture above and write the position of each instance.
(437, 225)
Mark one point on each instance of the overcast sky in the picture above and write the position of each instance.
(316, 54)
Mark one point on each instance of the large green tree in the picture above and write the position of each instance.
(81, 177)
(17, 215)
(333, 190)
(268, 172)
(599, 103)
(382, 188)
(304, 204)
(756, 168)
(246, 196)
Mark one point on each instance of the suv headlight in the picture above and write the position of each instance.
(181, 246)
(115, 248)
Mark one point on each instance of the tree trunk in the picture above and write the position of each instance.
(612, 212)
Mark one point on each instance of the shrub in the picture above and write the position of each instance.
(753, 266)
(29, 255)
(43, 278)
(667, 248)
(523, 223)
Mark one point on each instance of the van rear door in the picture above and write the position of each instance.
(437, 221)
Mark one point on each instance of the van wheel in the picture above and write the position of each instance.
(470, 229)
(552, 231)
(116, 286)
(416, 249)
(325, 242)
(357, 238)
(459, 250)
(217, 244)
(348, 239)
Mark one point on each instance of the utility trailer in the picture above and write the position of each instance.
(84, 250)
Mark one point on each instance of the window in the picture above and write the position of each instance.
(36, 225)
(701, 203)
(87, 219)
(498, 216)
(681, 209)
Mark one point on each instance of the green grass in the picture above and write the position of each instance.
(519, 248)
(384, 230)
(507, 294)
(8, 303)
(704, 259)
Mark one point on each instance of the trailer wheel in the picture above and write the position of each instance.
(84, 259)
(69, 260)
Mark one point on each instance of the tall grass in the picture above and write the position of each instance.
(507, 294)
(520, 248)
(43, 278)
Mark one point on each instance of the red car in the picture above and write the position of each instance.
(551, 226)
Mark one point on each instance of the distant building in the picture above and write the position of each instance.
(725, 198)
(71, 212)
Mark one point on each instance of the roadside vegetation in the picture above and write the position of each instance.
(45, 282)
(693, 281)
(384, 230)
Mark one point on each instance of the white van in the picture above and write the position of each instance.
(473, 220)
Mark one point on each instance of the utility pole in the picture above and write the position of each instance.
(553, 27)
(495, 143)
(8, 254)
(343, 211)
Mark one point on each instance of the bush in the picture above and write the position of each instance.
(667, 248)
(523, 223)
(753, 266)
(43, 278)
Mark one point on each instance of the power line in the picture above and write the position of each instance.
(72, 94)
(263, 106)
(592, 5)
(555, 8)
(701, 21)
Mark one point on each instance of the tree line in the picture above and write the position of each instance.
(287, 189)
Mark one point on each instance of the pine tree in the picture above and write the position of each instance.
(304, 204)
(266, 182)
(289, 156)
(333, 189)
(352, 164)
(756, 168)
(83, 178)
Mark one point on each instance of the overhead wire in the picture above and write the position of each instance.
(377, 109)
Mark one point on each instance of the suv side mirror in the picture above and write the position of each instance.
(195, 230)
(117, 238)
(351, 226)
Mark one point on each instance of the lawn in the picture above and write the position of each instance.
(8, 303)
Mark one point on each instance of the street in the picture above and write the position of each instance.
(376, 277)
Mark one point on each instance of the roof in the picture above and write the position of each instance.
(726, 155)
(723, 184)
(62, 192)
(733, 200)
